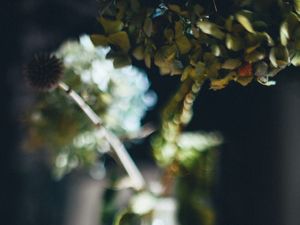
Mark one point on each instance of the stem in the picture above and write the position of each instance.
(113, 140)
(175, 116)
(179, 110)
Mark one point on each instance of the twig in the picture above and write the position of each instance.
(215, 5)
(115, 143)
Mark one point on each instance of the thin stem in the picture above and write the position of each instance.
(113, 140)
(215, 5)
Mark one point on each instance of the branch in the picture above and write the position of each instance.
(113, 140)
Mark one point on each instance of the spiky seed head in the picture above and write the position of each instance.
(44, 71)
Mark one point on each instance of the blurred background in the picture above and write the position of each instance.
(258, 178)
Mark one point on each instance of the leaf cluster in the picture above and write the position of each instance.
(186, 40)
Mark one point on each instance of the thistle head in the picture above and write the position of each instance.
(44, 71)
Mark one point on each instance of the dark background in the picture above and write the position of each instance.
(258, 181)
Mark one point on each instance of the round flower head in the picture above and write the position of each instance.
(44, 71)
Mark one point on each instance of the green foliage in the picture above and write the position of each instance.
(194, 189)
(185, 149)
(178, 38)
(58, 124)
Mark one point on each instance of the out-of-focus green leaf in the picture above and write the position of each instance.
(216, 50)
(266, 37)
(175, 8)
(229, 23)
(231, 64)
(148, 27)
(121, 61)
(184, 45)
(284, 33)
(159, 59)
(199, 69)
(243, 18)
(139, 52)
(198, 10)
(244, 81)
(260, 25)
(211, 29)
(189, 71)
(287, 28)
(135, 5)
(254, 56)
(99, 40)
(297, 6)
(168, 52)
(181, 40)
(218, 84)
(126, 217)
(120, 39)
(169, 35)
(110, 26)
(261, 69)
(147, 59)
(296, 59)
(279, 56)
(176, 67)
(234, 43)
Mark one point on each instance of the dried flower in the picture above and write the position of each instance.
(44, 71)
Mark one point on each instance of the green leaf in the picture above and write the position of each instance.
(126, 217)
(148, 27)
(234, 43)
(284, 33)
(265, 36)
(279, 56)
(99, 40)
(297, 6)
(187, 72)
(198, 10)
(139, 52)
(261, 69)
(147, 59)
(229, 23)
(216, 50)
(121, 61)
(169, 35)
(169, 52)
(243, 19)
(178, 29)
(176, 67)
(175, 8)
(121, 40)
(218, 84)
(159, 59)
(231, 64)
(296, 59)
(211, 29)
(254, 56)
(135, 5)
(111, 26)
(287, 28)
(184, 45)
(200, 69)
(244, 81)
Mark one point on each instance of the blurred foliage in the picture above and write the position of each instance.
(190, 166)
(195, 186)
(185, 150)
(119, 96)
(246, 42)
(185, 39)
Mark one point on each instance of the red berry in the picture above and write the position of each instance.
(246, 70)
